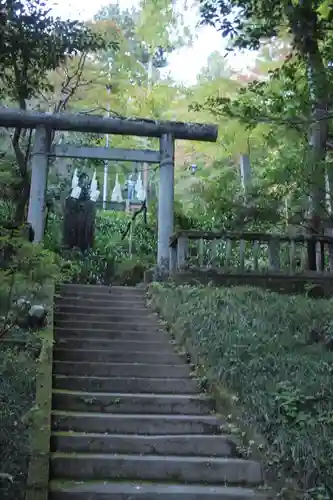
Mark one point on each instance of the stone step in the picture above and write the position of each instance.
(111, 301)
(63, 490)
(95, 324)
(185, 470)
(115, 345)
(117, 357)
(126, 385)
(192, 445)
(128, 421)
(100, 310)
(120, 333)
(132, 403)
(99, 291)
(106, 316)
(93, 369)
(134, 424)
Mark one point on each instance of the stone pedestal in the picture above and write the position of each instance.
(79, 224)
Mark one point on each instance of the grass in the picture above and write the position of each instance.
(272, 355)
(17, 393)
(25, 400)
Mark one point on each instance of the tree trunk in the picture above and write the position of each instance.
(317, 141)
(304, 21)
(22, 202)
(318, 135)
(22, 161)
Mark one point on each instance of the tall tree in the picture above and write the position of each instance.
(33, 44)
(309, 25)
(133, 58)
(147, 34)
(215, 68)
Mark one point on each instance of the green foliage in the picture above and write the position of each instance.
(25, 271)
(215, 69)
(258, 20)
(297, 92)
(109, 230)
(284, 343)
(32, 43)
(146, 35)
(133, 53)
(17, 392)
(113, 259)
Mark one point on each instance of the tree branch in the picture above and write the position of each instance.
(71, 84)
(143, 209)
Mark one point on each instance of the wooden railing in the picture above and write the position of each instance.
(250, 252)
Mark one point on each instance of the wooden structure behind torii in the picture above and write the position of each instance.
(166, 131)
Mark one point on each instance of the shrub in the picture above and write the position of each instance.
(113, 259)
(26, 270)
(274, 354)
(109, 229)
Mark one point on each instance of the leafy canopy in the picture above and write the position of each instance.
(33, 43)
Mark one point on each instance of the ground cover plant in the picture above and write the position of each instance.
(18, 370)
(273, 354)
(119, 256)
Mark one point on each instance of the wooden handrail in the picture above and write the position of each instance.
(267, 249)
(246, 236)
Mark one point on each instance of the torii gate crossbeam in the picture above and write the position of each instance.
(166, 131)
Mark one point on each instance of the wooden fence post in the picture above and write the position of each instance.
(274, 254)
(182, 247)
(172, 259)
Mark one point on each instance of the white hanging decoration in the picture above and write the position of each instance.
(139, 189)
(76, 190)
(95, 195)
(116, 193)
(94, 185)
(94, 192)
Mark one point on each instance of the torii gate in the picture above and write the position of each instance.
(166, 131)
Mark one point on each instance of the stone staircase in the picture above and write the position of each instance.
(128, 421)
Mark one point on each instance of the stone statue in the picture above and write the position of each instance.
(79, 217)
(84, 184)
(83, 189)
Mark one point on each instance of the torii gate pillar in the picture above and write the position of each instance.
(38, 186)
(165, 199)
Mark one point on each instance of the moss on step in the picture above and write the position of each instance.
(70, 433)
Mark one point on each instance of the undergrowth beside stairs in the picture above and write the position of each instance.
(273, 353)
